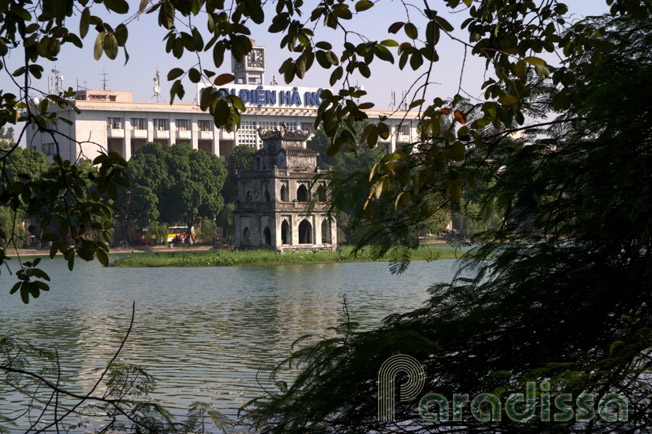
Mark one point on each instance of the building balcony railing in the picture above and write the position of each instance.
(280, 206)
(161, 134)
(225, 135)
(183, 134)
(254, 205)
(139, 134)
(116, 134)
(205, 135)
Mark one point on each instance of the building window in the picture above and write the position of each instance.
(246, 234)
(138, 123)
(307, 126)
(183, 125)
(205, 125)
(305, 232)
(302, 193)
(161, 124)
(268, 236)
(404, 130)
(48, 148)
(247, 134)
(266, 195)
(285, 233)
(326, 231)
(115, 123)
(321, 192)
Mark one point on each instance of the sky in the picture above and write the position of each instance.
(147, 55)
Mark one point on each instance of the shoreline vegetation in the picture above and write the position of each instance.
(264, 257)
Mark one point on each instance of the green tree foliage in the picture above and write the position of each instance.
(182, 183)
(345, 162)
(240, 161)
(225, 219)
(160, 230)
(345, 168)
(569, 307)
(208, 231)
(138, 206)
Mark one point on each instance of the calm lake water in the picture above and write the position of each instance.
(204, 333)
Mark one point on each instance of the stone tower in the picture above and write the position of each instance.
(271, 210)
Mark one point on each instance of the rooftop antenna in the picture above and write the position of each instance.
(392, 100)
(157, 85)
(104, 80)
(358, 87)
(84, 87)
(58, 82)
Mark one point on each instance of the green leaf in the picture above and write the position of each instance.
(542, 71)
(458, 151)
(238, 104)
(194, 75)
(111, 46)
(389, 43)
(416, 60)
(444, 24)
(370, 135)
(520, 69)
(102, 257)
(535, 61)
(411, 31)
(166, 15)
(117, 6)
(324, 45)
(206, 96)
(218, 54)
(342, 11)
(383, 53)
(336, 75)
(99, 43)
(383, 130)
(84, 22)
(508, 100)
(175, 73)
(363, 5)
(332, 58)
(121, 34)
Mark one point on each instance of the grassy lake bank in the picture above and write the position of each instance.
(225, 258)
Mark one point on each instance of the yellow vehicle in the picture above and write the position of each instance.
(179, 233)
(148, 239)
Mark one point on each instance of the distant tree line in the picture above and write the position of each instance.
(171, 185)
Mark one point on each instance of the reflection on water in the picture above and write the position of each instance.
(204, 333)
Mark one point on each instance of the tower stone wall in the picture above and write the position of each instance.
(273, 198)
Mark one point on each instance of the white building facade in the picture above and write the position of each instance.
(111, 121)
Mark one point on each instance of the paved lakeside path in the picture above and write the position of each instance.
(166, 248)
